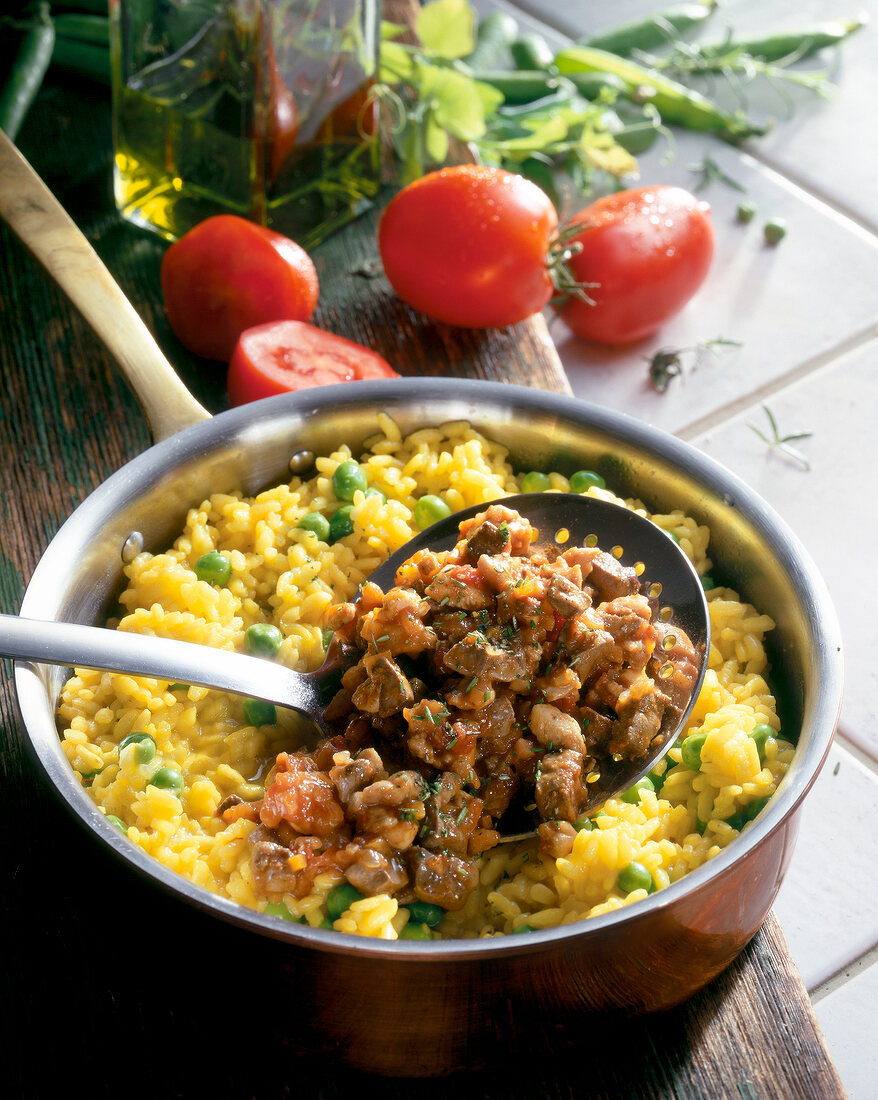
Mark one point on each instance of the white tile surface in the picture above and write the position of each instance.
(847, 1019)
(830, 507)
(825, 906)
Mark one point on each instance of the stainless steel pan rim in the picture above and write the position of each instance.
(49, 595)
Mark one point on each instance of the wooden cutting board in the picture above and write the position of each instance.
(115, 979)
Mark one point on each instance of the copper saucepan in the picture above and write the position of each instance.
(357, 997)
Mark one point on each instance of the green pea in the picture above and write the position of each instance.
(632, 795)
(775, 230)
(341, 523)
(118, 822)
(583, 480)
(259, 713)
(326, 637)
(414, 931)
(760, 735)
(263, 640)
(754, 809)
(145, 750)
(700, 826)
(737, 821)
(746, 210)
(213, 567)
(535, 482)
(690, 750)
(168, 779)
(584, 825)
(278, 909)
(376, 493)
(325, 923)
(317, 524)
(523, 928)
(340, 898)
(707, 582)
(429, 510)
(426, 913)
(634, 876)
(347, 479)
(673, 537)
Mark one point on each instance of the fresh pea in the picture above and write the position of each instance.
(523, 928)
(774, 230)
(637, 137)
(584, 825)
(535, 482)
(263, 640)
(168, 779)
(426, 913)
(674, 102)
(340, 898)
(700, 826)
(317, 524)
(376, 493)
(348, 479)
(632, 795)
(145, 750)
(341, 525)
(413, 931)
(746, 210)
(707, 582)
(429, 510)
(326, 637)
(118, 822)
(634, 876)
(760, 735)
(278, 909)
(653, 30)
(213, 567)
(658, 781)
(690, 750)
(583, 480)
(737, 821)
(259, 713)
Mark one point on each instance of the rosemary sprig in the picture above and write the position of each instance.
(669, 363)
(782, 443)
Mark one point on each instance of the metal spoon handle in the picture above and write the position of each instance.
(79, 646)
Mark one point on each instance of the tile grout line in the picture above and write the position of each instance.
(726, 412)
(843, 977)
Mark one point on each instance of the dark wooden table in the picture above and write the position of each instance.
(113, 988)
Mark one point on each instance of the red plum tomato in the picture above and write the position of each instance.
(228, 274)
(291, 355)
(648, 249)
(469, 245)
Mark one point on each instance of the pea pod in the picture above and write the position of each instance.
(590, 85)
(31, 63)
(675, 103)
(652, 30)
(494, 37)
(520, 85)
(532, 51)
(83, 27)
(798, 44)
(563, 94)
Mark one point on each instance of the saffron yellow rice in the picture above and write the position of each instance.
(287, 576)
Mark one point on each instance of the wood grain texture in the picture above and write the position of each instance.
(123, 989)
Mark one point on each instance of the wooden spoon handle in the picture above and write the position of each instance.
(47, 231)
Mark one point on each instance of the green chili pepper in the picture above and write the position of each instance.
(674, 102)
(653, 30)
(29, 67)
